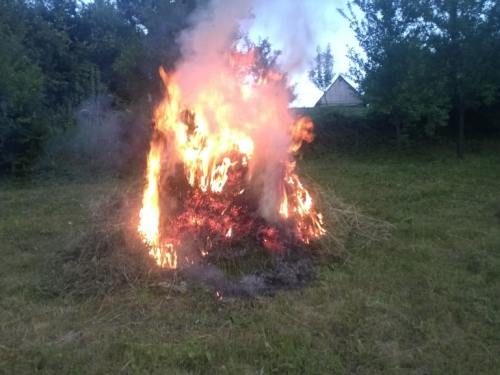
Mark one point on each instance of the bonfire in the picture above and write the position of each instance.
(222, 205)
(220, 172)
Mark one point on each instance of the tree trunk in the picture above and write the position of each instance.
(397, 124)
(460, 138)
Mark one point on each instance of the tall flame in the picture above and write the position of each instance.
(228, 125)
(150, 215)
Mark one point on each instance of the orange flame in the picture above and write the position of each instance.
(227, 127)
(150, 215)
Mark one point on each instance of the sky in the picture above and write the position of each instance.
(298, 27)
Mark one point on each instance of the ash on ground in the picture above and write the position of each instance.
(286, 272)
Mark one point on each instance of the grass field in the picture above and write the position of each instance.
(426, 302)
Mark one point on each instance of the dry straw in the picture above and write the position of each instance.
(110, 256)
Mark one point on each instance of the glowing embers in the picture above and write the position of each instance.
(216, 225)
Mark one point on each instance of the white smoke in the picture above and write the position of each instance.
(206, 43)
(265, 116)
(296, 28)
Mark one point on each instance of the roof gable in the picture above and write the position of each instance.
(340, 93)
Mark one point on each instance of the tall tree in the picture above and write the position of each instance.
(266, 61)
(392, 70)
(322, 72)
(23, 113)
(160, 23)
(458, 31)
(110, 39)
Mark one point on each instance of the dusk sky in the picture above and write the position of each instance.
(302, 26)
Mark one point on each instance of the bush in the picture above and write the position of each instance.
(103, 141)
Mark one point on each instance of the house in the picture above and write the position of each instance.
(340, 94)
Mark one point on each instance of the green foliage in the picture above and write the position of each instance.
(457, 30)
(23, 125)
(158, 24)
(322, 72)
(420, 60)
(59, 54)
(109, 39)
(392, 73)
(461, 32)
(347, 129)
(266, 57)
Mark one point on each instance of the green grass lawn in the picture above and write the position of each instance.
(426, 302)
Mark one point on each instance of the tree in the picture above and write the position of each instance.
(322, 72)
(56, 55)
(393, 72)
(459, 31)
(160, 22)
(266, 61)
(23, 124)
(110, 41)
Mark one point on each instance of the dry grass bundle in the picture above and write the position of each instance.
(111, 254)
(344, 221)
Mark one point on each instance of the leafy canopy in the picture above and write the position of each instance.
(321, 74)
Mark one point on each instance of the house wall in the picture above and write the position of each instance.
(340, 94)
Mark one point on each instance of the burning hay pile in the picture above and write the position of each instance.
(217, 179)
(112, 256)
(221, 190)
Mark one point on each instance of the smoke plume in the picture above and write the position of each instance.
(263, 113)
